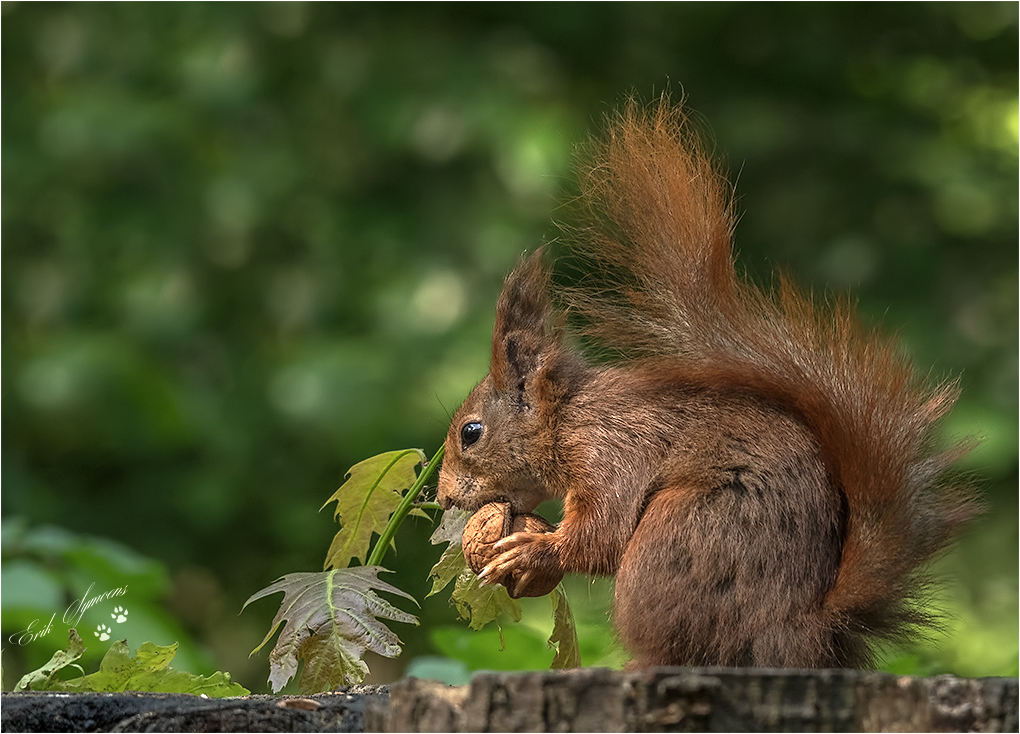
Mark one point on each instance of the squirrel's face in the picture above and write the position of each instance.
(503, 430)
(485, 458)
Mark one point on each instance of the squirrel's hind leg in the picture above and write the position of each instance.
(732, 573)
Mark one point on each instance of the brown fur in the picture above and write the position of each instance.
(755, 469)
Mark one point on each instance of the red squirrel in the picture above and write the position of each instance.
(756, 469)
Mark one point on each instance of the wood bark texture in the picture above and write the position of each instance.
(594, 700)
(679, 699)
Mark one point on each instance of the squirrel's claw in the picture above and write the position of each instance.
(516, 540)
(500, 568)
(523, 558)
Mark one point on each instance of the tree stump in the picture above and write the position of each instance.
(589, 699)
(682, 699)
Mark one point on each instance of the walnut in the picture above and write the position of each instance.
(493, 522)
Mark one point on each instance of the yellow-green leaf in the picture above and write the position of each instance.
(41, 679)
(366, 500)
(148, 671)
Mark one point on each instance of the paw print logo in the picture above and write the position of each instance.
(119, 615)
(103, 632)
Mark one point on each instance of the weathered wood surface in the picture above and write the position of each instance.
(678, 699)
(595, 700)
(159, 712)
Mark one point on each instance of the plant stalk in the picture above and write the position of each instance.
(405, 506)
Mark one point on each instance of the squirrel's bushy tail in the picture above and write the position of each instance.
(657, 229)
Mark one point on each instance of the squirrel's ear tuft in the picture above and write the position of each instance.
(523, 303)
(521, 334)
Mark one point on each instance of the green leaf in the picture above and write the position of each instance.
(451, 527)
(148, 671)
(332, 619)
(407, 505)
(480, 604)
(43, 678)
(475, 603)
(564, 635)
(451, 563)
(331, 662)
(366, 500)
(449, 566)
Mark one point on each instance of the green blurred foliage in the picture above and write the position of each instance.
(53, 580)
(247, 246)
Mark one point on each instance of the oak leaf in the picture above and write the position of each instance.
(148, 670)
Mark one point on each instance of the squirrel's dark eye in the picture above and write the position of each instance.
(470, 434)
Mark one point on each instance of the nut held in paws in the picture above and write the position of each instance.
(490, 524)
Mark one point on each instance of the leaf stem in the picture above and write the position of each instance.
(405, 506)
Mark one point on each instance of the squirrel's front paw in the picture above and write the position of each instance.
(487, 551)
(528, 564)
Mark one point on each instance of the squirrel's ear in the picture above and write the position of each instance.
(521, 334)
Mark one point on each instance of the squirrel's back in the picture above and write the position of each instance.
(657, 228)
